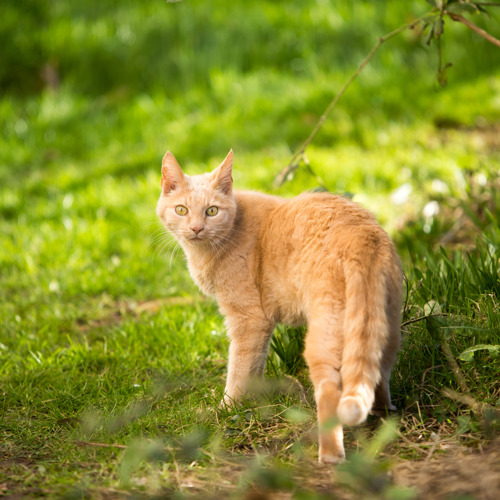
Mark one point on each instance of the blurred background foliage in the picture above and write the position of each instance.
(83, 77)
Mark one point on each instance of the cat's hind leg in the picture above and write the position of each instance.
(323, 354)
(382, 404)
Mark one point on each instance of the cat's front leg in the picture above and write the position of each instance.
(249, 342)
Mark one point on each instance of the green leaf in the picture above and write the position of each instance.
(442, 76)
(463, 424)
(319, 189)
(385, 434)
(432, 307)
(435, 326)
(483, 10)
(430, 35)
(468, 354)
(299, 416)
(439, 27)
(462, 8)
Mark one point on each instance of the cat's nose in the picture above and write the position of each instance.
(197, 229)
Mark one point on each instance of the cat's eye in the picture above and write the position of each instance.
(211, 211)
(181, 210)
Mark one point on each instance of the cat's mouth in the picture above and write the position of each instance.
(195, 238)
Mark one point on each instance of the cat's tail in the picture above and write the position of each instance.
(366, 331)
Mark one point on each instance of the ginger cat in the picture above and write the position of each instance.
(316, 259)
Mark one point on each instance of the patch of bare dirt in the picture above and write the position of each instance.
(114, 312)
(460, 473)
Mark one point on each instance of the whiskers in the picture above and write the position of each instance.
(216, 243)
(160, 241)
(217, 247)
(174, 252)
(221, 246)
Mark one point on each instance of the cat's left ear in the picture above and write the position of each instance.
(171, 174)
(223, 179)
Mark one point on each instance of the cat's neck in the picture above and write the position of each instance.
(206, 252)
(204, 262)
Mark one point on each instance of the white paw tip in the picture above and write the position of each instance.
(350, 411)
(331, 459)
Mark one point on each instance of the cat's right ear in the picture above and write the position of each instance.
(171, 174)
(222, 178)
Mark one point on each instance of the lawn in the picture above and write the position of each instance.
(112, 363)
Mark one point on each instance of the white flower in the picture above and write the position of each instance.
(431, 209)
(401, 194)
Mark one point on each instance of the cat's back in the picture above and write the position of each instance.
(307, 208)
(310, 219)
(314, 232)
(317, 216)
(254, 201)
(327, 206)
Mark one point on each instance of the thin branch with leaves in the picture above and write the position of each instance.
(298, 157)
(434, 20)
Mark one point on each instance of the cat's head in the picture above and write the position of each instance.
(197, 209)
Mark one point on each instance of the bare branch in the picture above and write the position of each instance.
(420, 318)
(468, 400)
(473, 27)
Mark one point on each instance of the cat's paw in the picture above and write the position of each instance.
(228, 403)
(329, 459)
(331, 452)
(384, 411)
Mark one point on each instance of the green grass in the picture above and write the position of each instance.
(111, 362)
